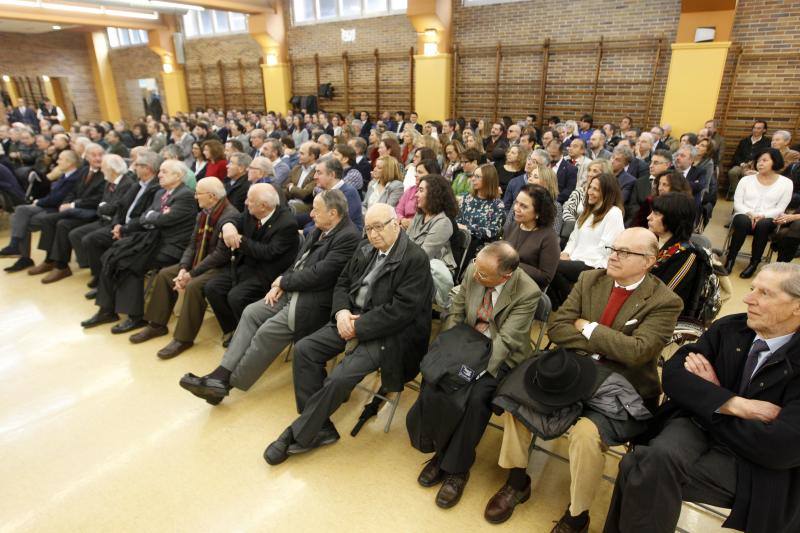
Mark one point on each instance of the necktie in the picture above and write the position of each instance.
(750, 365)
(112, 187)
(553, 164)
(164, 200)
(485, 311)
(258, 225)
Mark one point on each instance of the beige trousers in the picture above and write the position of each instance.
(587, 457)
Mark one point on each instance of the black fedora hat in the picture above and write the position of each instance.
(558, 378)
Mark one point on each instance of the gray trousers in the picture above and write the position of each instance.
(26, 218)
(261, 335)
(683, 463)
(318, 395)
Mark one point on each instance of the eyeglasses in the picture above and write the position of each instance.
(624, 254)
(654, 162)
(377, 227)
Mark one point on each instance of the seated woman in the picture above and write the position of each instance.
(677, 263)
(452, 165)
(406, 207)
(573, 207)
(386, 185)
(198, 165)
(531, 233)
(669, 181)
(432, 226)
(422, 153)
(759, 198)
(596, 228)
(513, 166)
(482, 211)
(216, 164)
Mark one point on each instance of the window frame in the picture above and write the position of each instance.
(340, 18)
(478, 3)
(144, 40)
(215, 31)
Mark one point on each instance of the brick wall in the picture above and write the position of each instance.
(129, 65)
(59, 54)
(629, 27)
(393, 36)
(245, 91)
(766, 83)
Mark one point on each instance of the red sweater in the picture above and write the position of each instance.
(218, 169)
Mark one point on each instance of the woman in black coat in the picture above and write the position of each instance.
(678, 262)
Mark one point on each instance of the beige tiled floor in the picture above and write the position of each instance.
(96, 435)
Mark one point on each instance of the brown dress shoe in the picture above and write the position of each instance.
(151, 331)
(451, 490)
(57, 274)
(41, 268)
(431, 475)
(174, 349)
(572, 524)
(502, 504)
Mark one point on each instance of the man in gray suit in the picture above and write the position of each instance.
(183, 139)
(597, 146)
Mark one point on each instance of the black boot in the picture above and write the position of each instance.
(730, 261)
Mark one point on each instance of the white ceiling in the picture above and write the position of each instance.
(22, 26)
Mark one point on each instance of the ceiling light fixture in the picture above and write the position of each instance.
(56, 27)
(82, 9)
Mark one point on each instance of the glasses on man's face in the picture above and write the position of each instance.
(377, 227)
(624, 254)
(656, 162)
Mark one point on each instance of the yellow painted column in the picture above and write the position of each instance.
(103, 76)
(277, 87)
(176, 99)
(173, 75)
(432, 83)
(695, 78)
(11, 89)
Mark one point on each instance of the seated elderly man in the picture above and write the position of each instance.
(90, 246)
(79, 207)
(258, 245)
(200, 262)
(381, 319)
(154, 240)
(622, 317)
(298, 303)
(498, 299)
(728, 434)
(328, 176)
(28, 218)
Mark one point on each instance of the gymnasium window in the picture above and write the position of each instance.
(210, 22)
(310, 11)
(122, 37)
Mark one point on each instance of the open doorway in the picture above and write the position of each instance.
(151, 99)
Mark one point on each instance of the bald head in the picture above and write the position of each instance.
(262, 199)
(209, 192)
(381, 226)
(635, 251)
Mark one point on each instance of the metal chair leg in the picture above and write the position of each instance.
(394, 403)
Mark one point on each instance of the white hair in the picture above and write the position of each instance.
(115, 164)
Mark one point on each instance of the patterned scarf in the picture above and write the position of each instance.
(205, 230)
(665, 254)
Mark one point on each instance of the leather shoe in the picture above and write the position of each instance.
(502, 504)
(211, 390)
(749, 271)
(93, 282)
(432, 474)
(275, 453)
(56, 274)
(150, 332)
(174, 349)
(9, 251)
(129, 324)
(451, 490)
(101, 317)
(327, 435)
(570, 524)
(21, 264)
(41, 268)
(91, 294)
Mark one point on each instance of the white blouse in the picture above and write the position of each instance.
(768, 201)
(588, 244)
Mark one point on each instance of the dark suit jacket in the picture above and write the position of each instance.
(28, 117)
(145, 200)
(315, 281)
(746, 151)
(88, 190)
(215, 255)
(642, 188)
(175, 225)
(365, 169)
(395, 323)
(626, 182)
(237, 193)
(268, 251)
(638, 168)
(567, 177)
(59, 190)
(628, 347)
(112, 199)
(767, 455)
